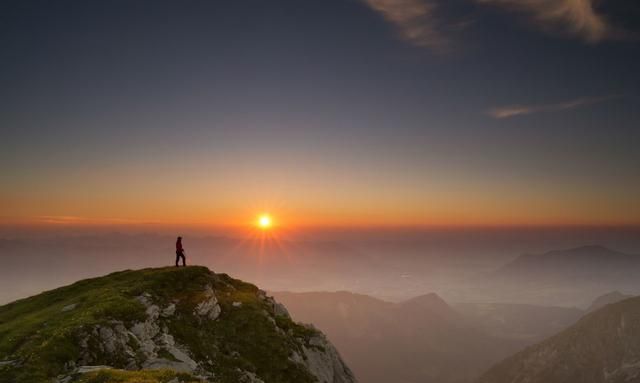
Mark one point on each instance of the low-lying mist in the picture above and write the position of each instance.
(461, 265)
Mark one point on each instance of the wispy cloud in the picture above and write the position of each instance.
(576, 18)
(429, 23)
(520, 110)
(414, 21)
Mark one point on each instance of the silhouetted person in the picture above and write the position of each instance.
(180, 252)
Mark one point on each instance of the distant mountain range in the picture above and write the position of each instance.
(603, 347)
(419, 340)
(584, 263)
(381, 340)
(565, 277)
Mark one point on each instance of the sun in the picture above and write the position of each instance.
(265, 222)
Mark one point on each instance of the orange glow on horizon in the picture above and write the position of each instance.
(276, 215)
(268, 224)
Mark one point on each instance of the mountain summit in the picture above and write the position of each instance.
(161, 325)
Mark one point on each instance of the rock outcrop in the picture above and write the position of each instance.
(207, 326)
(324, 362)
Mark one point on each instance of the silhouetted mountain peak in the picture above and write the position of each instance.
(431, 300)
(430, 303)
(588, 250)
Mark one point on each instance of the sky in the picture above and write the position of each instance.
(333, 112)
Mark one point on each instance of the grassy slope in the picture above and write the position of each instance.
(42, 337)
(119, 376)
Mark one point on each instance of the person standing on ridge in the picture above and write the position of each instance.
(180, 252)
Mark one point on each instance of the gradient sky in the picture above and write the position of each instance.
(332, 112)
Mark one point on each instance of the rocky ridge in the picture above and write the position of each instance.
(208, 327)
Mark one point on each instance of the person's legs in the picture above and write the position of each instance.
(177, 257)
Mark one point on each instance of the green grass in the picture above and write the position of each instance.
(120, 376)
(42, 337)
(243, 337)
